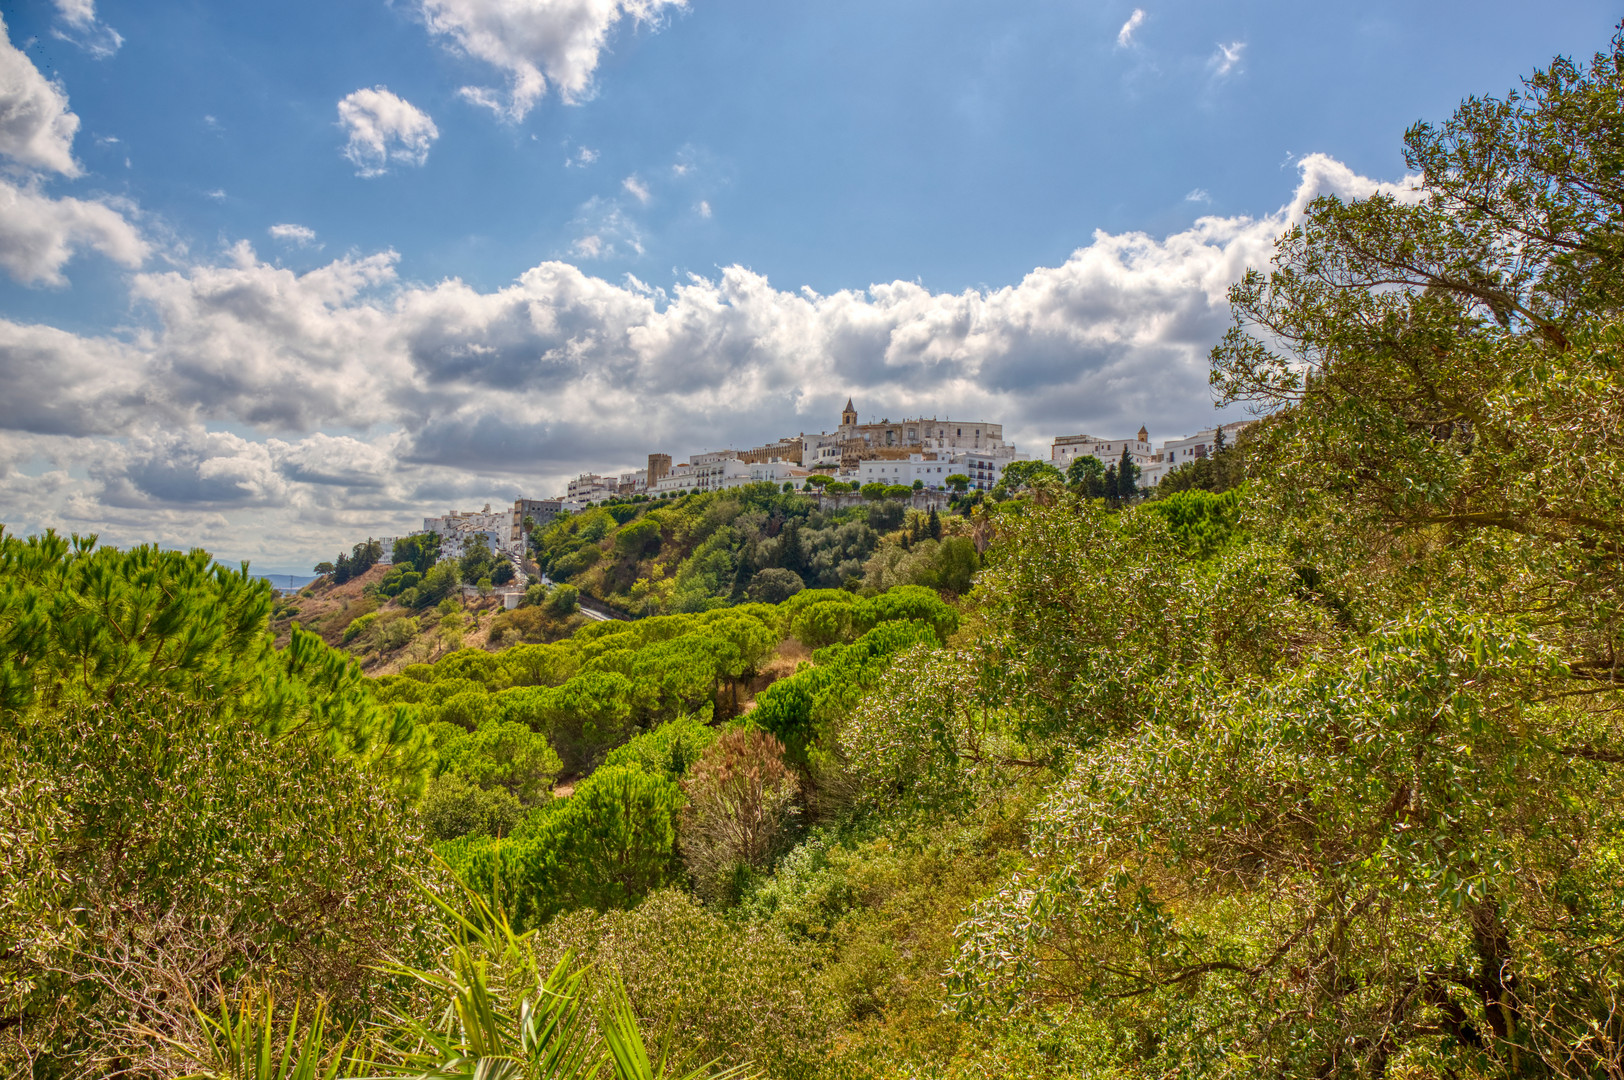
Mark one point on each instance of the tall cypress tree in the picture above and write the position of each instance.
(1126, 488)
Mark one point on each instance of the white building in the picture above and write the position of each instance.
(984, 468)
(1068, 448)
(589, 488)
(930, 470)
(458, 527)
(777, 472)
(1192, 448)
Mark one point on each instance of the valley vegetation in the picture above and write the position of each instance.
(1309, 767)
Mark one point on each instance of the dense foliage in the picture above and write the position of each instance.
(755, 543)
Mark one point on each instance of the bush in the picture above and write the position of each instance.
(774, 585)
(741, 798)
(358, 626)
(452, 808)
(608, 845)
(504, 754)
(563, 601)
(722, 989)
(823, 623)
(669, 750)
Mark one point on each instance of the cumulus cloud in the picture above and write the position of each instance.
(39, 234)
(636, 189)
(384, 129)
(1227, 59)
(470, 395)
(581, 158)
(703, 208)
(36, 126)
(80, 26)
(302, 235)
(535, 43)
(1125, 35)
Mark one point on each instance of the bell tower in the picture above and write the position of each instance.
(848, 415)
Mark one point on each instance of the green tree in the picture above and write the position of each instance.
(1086, 474)
(420, 551)
(1127, 478)
(608, 845)
(1020, 476)
(1385, 681)
(774, 586)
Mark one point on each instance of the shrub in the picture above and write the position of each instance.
(395, 632)
(774, 585)
(563, 601)
(823, 623)
(669, 750)
(741, 798)
(608, 845)
(721, 989)
(504, 754)
(452, 808)
(358, 626)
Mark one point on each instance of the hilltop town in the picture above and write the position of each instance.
(927, 454)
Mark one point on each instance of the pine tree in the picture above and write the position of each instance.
(935, 526)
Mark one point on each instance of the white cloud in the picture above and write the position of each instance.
(1199, 195)
(535, 42)
(581, 158)
(703, 209)
(218, 194)
(605, 230)
(301, 235)
(636, 189)
(39, 234)
(384, 128)
(1227, 58)
(82, 28)
(1125, 35)
(36, 126)
(474, 396)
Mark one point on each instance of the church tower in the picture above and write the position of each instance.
(1144, 436)
(848, 415)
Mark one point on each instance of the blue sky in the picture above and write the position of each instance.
(279, 276)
